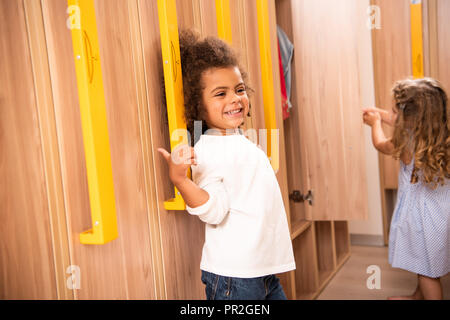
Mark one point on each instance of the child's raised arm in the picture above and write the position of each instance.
(380, 142)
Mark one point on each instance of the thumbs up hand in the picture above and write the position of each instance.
(182, 157)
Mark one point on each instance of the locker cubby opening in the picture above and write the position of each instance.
(306, 271)
(342, 241)
(325, 254)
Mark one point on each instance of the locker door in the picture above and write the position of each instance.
(330, 141)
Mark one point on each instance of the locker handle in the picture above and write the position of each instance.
(170, 50)
(262, 10)
(416, 38)
(223, 20)
(94, 126)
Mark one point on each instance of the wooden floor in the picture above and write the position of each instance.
(349, 283)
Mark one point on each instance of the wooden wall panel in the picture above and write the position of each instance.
(207, 14)
(123, 268)
(392, 61)
(197, 14)
(68, 124)
(443, 37)
(49, 139)
(182, 235)
(27, 269)
(119, 78)
(238, 30)
(185, 15)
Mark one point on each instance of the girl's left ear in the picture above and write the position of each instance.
(249, 108)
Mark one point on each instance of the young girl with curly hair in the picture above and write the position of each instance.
(419, 239)
(234, 189)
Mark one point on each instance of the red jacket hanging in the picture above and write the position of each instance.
(284, 99)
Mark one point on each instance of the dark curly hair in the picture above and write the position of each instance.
(197, 56)
(423, 121)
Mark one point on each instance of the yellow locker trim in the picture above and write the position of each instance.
(94, 126)
(267, 82)
(416, 38)
(170, 48)
(223, 20)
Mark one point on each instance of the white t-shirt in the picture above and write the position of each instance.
(246, 231)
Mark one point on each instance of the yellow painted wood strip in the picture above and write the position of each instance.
(267, 83)
(170, 49)
(416, 38)
(223, 20)
(94, 123)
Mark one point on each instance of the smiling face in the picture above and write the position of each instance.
(225, 98)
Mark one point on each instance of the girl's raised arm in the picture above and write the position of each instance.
(380, 142)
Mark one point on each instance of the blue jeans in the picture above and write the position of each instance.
(230, 288)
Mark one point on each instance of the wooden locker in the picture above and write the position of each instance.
(123, 268)
(436, 46)
(329, 118)
(324, 137)
(28, 258)
(443, 12)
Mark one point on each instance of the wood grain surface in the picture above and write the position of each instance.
(27, 258)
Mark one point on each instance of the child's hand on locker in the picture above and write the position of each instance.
(386, 116)
(370, 117)
(179, 161)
